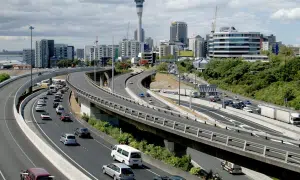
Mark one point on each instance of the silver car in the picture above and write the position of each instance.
(118, 171)
(68, 139)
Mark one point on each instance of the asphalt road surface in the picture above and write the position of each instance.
(91, 154)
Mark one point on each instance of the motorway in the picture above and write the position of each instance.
(204, 160)
(79, 80)
(91, 154)
(16, 151)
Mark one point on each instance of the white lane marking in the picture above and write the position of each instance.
(12, 134)
(2, 175)
(56, 145)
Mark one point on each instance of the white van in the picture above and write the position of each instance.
(127, 155)
(231, 167)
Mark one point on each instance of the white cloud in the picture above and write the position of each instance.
(287, 14)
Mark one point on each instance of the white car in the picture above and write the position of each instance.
(118, 171)
(150, 101)
(60, 109)
(39, 108)
(41, 102)
(68, 139)
(236, 98)
(247, 109)
(45, 116)
(130, 82)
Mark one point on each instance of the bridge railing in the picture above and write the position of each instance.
(260, 152)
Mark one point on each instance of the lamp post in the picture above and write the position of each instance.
(31, 28)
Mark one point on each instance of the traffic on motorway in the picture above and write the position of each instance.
(92, 155)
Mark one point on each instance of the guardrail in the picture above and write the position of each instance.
(260, 152)
(64, 166)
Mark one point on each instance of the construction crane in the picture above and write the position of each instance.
(214, 23)
(126, 37)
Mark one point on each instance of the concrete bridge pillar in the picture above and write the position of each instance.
(50, 81)
(178, 149)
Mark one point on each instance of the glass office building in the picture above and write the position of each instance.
(229, 43)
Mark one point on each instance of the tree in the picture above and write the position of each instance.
(286, 51)
(170, 56)
(162, 67)
(109, 62)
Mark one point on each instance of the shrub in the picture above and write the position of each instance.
(4, 76)
(85, 117)
(195, 171)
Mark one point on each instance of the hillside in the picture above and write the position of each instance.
(271, 82)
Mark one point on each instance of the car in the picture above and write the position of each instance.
(49, 92)
(39, 73)
(41, 102)
(68, 139)
(35, 174)
(82, 132)
(57, 99)
(247, 102)
(236, 97)
(203, 173)
(168, 178)
(141, 95)
(247, 109)
(55, 104)
(39, 108)
(118, 171)
(231, 167)
(65, 117)
(45, 115)
(60, 109)
(130, 82)
(148, 95)
(44, 98)
(150, 101)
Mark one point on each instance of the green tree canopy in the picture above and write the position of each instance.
(162, 67)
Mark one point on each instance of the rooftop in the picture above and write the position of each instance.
(39, 172)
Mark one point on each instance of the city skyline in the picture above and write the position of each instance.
(60, 24)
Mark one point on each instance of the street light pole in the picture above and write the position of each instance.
(31, 28)
(178, 78)
(113, 66)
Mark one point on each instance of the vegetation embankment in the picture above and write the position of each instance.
(4, 76)
(272, 81)
(157, 152)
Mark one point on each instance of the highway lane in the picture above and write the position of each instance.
(119, 83)
(16, 151)
(91, 155)
(79, 81)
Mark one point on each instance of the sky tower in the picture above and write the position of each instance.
(139, 10)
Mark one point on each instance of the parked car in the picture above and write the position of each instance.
(55, 104)
(45, 115)
(68, 139)
(231, 167)
(65, 117)
(82, 132)
(60, 109)
(39, 108)
(118, 171)
(35, 174)
(247, 109)
(168, 178)
(236, 97)
(141, 95)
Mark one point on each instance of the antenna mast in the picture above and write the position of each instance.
(215, 20)
(127, 30)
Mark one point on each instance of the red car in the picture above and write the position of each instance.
(65, 117)
(35, 174)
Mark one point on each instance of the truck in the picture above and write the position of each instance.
(280, 114)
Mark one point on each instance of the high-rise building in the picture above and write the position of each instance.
(80, 53)
(70, 52)
(136, 35)
(103, 51)
(164, 49)
(197, 45)
(178, 32)
(139, 10)
(27, 55)
(42, 54)
(229, 43)
(129, 48)
(61, 51)
(89, 52)
(149, 41)
(265, 46)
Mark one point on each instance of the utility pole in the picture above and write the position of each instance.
(113, 66)
(30, 89)
(96, 42)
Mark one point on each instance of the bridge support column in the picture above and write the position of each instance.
(101, 79)
(178, 149)
(50, 81)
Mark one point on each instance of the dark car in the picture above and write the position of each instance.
(247, 102)
(141, 95)
(55, 104)
(82, 132)
(168, 178)
(65, 117)
(148, 95)
(35, 174)
(49, 92)
(57, 99)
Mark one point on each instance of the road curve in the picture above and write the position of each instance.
(16, 151)
(90, 155)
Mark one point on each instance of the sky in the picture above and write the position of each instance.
(78, 22)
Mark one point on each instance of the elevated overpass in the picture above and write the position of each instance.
(254, 152)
